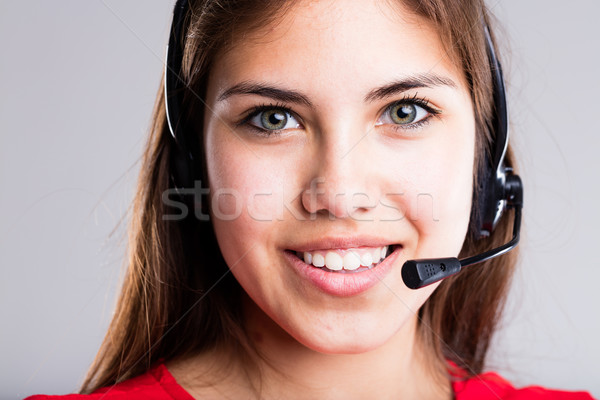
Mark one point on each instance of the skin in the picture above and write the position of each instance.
(414, 185)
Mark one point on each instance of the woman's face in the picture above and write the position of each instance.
(339, 130)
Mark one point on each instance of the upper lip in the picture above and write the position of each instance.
(342, 242)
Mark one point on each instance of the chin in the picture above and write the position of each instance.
(357, 335)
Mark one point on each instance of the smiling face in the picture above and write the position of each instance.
(340, 130)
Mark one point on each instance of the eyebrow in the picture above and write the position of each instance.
(260, 89)
(411, 82)
(292, 96)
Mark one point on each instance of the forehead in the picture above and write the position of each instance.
(343, 45)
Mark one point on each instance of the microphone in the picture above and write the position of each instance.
(423, 272)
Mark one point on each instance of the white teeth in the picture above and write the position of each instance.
(333, 261)
(345, 259)
(351, 261)
(366, 259)
(318, 260)
(308, 258)
(377, 254)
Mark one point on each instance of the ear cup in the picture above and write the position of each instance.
(491, 199)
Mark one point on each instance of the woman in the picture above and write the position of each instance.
(319, 146)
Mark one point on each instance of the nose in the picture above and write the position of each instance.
(342, 182)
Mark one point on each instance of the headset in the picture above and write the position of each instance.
(499, 188)
(183, 159)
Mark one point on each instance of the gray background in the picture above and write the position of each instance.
(77, 83)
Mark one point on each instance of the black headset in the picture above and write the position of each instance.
(499, 188)
(183, 159)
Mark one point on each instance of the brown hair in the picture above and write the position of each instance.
(171, 306)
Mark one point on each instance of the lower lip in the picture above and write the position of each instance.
(343, 285)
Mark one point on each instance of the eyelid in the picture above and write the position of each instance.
(415, 99)
(264, 107)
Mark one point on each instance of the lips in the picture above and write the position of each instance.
(342, 282)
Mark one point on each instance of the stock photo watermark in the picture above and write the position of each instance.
(180, 200)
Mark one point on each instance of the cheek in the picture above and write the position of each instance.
(435, 177)
(244, 187)
(442, 202)
(246, 195)
(241, 195)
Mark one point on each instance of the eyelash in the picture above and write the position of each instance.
(415, 99)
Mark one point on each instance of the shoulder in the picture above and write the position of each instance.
(156, 384)
(490, 385)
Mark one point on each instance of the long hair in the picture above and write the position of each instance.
(177, 297)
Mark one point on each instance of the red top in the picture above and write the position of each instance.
(159, 384)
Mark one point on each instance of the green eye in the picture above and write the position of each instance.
(403, 113)
(406, 113)
(273, 119)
